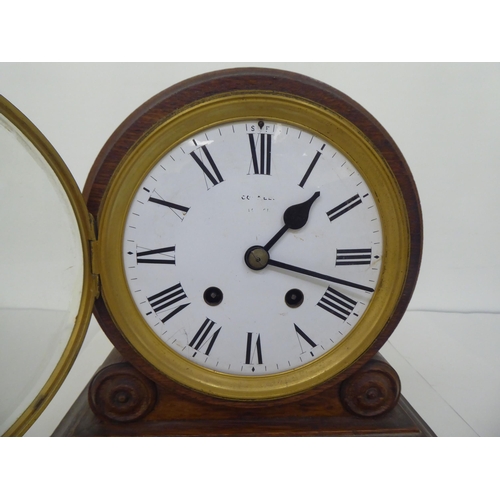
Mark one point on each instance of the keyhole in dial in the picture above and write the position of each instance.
(294, 297)
(213, 296)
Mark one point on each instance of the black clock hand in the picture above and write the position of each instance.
(294, 217)
(314, 274)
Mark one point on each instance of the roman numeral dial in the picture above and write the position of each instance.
(205, 338)
(260, 147)
(158, 256)
(304, 339)
(353, 257)
(343, 207)
(252, 248)
(174, 206)
(253, 353)
(337, 303)
(165, 301)
(311, 166)
(211, 170)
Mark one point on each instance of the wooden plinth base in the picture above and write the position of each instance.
(120, 401)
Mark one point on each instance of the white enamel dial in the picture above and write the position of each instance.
(224, 191)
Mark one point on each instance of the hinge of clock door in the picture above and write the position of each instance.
(94, 256)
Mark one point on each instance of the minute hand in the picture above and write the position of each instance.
(314, 274)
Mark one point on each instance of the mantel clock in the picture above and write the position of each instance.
(254, 238)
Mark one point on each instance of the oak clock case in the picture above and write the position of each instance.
(202, 179)
(258, 237)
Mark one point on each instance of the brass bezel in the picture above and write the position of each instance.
(248, 106)
(89, 285)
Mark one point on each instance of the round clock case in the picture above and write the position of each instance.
(207, 285)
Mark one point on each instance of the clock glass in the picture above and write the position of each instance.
(46, 291)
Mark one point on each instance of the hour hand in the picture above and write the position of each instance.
(295, 217)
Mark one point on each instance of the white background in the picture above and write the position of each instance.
(445, 117)
(449, 370)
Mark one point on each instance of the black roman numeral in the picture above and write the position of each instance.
(203, 337)
(214, 176)
(167, 259)
(353, 257)
(254, 347)
(343, 207)
(337, 303)
(301, 334)
(167, 298)
(311, 166)
(169, 204)
(261, 159)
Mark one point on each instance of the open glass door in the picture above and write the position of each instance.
(46, 286)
